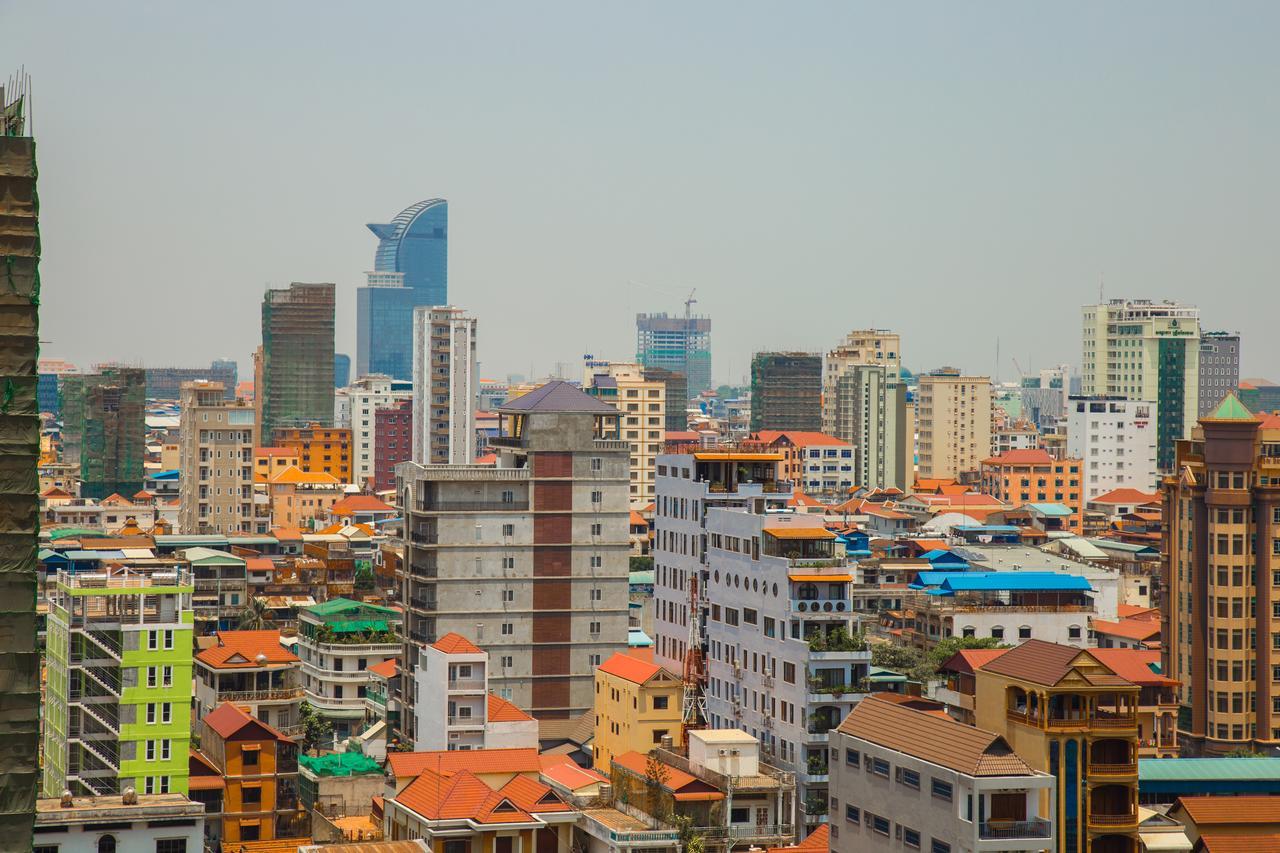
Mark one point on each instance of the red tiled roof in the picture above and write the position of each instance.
(447, 763)
(1229, 809)
(800, 438)
(1130, 629)
(501, 711)
(360, 503)
(1126, 496)
(629, 668)
(456, 644)
(229, 720)
(275, 451)
(562, 770)
(682, 785)
(259, 564)
(240, 649)
(55, 492)
(638, 520)
(1133, 665)
(968, 660)
(286, 534)
(1133, 611)
(1022, 456)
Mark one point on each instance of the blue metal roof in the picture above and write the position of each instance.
(1016, 581)
(928, 578)
(75, 556)
(1051, 509)
(940, 554)
(165, 475)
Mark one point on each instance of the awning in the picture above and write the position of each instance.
(698, 796)
(799, 533)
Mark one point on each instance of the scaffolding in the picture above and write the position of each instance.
(19, 455)
(786, 391)
(297, 358)
(104, 429)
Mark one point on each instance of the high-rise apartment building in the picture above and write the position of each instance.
(786, 391)
(356, 407)
(1221, 577)
(676, 396)
(1115, 441)
(680, 344)
(641, 402)
(410, 270)
(527, 557)
(392, 442)
(1143, 350)
(104, 424)
(20, 449)
(215, 453)
(953, 420)
(297, 358)
(875, 402)
(446, 382)
(165, 383)
(861, 346)
(1219, 368)
(117, 713)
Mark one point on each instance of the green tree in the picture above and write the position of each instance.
(316, 729)
(942, 652)
(1245, 752)
(656, 775)
(641, 564)
(897, 658)
(256, 616)
(691, 841)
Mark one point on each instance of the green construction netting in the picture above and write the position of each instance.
(358, 626)
(340, 764)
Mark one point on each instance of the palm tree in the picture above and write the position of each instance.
(256, 616)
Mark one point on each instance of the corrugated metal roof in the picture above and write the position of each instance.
(1208, 769)
(1015, 581)
(557, 396)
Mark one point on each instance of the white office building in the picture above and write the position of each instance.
(1116, 441)
(775, 607)
(354, 407)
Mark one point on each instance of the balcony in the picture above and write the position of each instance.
(276, 694)
(465, 685)
(419, 602)
(457, 722)
(1015, 829)
(477, 506)
(1113, 770)
(821, 606)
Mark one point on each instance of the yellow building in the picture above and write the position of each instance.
(636, 704)
(953, 423)
(643, 403)
(1067, 714)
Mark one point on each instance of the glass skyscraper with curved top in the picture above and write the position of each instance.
(410, 268)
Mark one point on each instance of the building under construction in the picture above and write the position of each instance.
(104, 422)
(296, 366)
(681, 344)
(19, 454)
(786, 391)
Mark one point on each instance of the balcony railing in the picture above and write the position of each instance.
(1102, 721)
(466, 722)
(1112, 821)
(276, 694)
(1034, 828)
(1113, 769)
(821, 605)
(466, 684)
(477, 506)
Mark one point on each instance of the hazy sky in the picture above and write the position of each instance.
(954, 171)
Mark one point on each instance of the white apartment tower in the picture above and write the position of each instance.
(953, 417)
(1115, 441)
(1137, 349)
(446, 382)
(355, 407)
(215, 452)
(863, 346)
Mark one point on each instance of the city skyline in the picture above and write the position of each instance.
(1105, 160)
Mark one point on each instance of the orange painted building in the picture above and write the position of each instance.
(325, 450)
(269, 461)
(303, 499)
(259, 768)
(1021, 477)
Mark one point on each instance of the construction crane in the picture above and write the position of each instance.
(689, 303)
(693, 714)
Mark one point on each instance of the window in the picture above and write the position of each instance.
(910, 838)
(770, 627)
(593, 628)
(151, 750)
(851, 757)
(660, 703)
(997, 632)
(789, 672)
(880, 767)
(151, 676)
(852, 814)
(153, 640)
(507, 661)
(910, 778)
(508, 530)
(249, 757)
(166, 712)
(1073, 632)
(251, 794)
(107, 843)
(508, 629)
(596, 561)
(880, 825)
(597, 497)
(151, 713)
(596, 529)
(659, 734)
(939, 847)
(940, 789)
(168, 638)
(165, 749)
(1024, 632)
(171, 845)
(167, 681)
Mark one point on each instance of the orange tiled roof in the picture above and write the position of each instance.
(275, 451)
(360, 503)
(819, 839)
(629, 668)
(562, 770)
(1214, 843)
(682, 785)
(968, 660)
(464, 796)
(1130, 629)
(1231, 809)
(456, 644)
(240, 649)
(501, 711)
(638, 520)
(1133, 611)
(1126, 496)
(1022, 456)
(386, 669)
(285, 534)
(113, 499)
(55, 492)
(447, 763)
(296, 476)
(800, 438)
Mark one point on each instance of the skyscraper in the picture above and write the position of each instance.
(1143, 350)
(786, 391)
(681, 344)
(1220, 574)
(953, 419)
(1219, 368)
(20, 450)
(297, 358)
(862, 346)
(410, 269)
(215, 447)
(446, 380)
